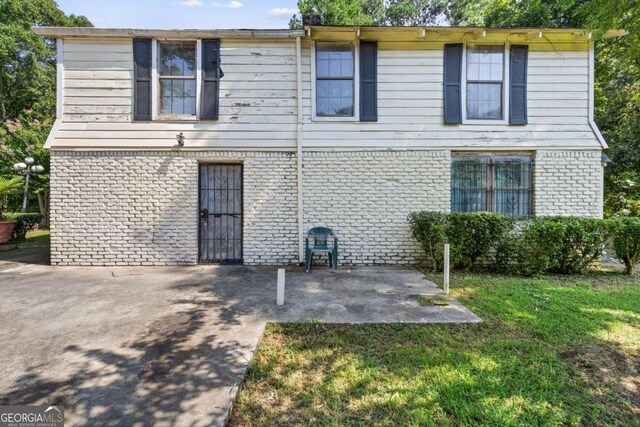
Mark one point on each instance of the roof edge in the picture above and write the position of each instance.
(132, 32)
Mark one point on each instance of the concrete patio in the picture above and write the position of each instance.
(170, 345)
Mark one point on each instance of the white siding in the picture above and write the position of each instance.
(257, 99)
(97, 81)
(258, 102)
(410, 104)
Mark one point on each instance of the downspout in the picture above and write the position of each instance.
(299, 149)
(592, 123)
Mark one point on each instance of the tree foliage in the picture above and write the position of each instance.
(371, 12)
(414, 12)
(28, 80)
(341, 12)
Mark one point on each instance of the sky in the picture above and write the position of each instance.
(183, 14)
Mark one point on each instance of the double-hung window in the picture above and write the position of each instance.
(334, 79)
(485, 82)
(177, 76)
(494, 183)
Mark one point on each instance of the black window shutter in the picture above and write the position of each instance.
(142, 79)
(211, 74)
(518, 85)
(453, 83)
(368, 81)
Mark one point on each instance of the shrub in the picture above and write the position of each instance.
(25, 221)
(429, 229)
(565, 245)
(471, 235)
(474, 234)
(625, 239)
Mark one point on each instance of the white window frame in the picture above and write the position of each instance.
(356, 85)
(505, 84)
(155, 82)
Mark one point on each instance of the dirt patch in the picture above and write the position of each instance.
(610, 374)
(429, 300)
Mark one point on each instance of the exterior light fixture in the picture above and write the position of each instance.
(605, 160)
(180, 139)
(27, 168)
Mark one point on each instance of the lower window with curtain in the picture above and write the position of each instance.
(492, 183)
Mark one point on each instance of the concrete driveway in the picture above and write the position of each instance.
(170, 345)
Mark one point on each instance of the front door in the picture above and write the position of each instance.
(220, 213)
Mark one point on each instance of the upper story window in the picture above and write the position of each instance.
(485, 82)
(177, 76)
(494, 183)
(334, 79)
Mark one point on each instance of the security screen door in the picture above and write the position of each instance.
(220, 213)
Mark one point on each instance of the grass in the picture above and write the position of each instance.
(35, 239)
(551, 351)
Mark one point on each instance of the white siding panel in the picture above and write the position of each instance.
(97, 77)
(410, 104)
(258, 101)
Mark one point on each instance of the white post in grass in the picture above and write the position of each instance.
(280, 290)
(446, 269)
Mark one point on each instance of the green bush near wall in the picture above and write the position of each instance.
(472, 235)
(430, 230)
(563, 245)
(624, 233)
(25, 221)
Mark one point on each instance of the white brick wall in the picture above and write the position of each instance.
(141, 208)
(568, 183)
(270, 209)
(365, 197)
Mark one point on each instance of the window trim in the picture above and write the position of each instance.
(156, 115)
(490, 190)
(356, 85)
(505, 84)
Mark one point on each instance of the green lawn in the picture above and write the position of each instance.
(35, 238)
(552, 351)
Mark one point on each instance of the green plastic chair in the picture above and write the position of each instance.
(321, 246)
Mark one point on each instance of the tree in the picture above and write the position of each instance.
(28, 81)
(341, 12)
(514, 13)
(414, 12)
(371, 12)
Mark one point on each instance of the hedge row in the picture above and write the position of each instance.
(565, 245)
(25, 221)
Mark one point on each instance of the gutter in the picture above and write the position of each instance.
(299, 149)
(592, 123)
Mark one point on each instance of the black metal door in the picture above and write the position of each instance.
(221, 213)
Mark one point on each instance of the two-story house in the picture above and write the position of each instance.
(187, 146)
